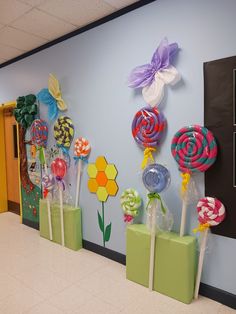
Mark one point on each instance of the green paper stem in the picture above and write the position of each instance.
(106, 232)
(103, 231)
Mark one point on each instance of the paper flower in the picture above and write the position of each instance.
(102, 179)
(52, 97)
(153, 76)
(102, 182)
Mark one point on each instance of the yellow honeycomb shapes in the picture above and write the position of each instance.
(102, 179)
(92, 171)
(112, 187)
(102, 194)
(101, 163)
(111, 172)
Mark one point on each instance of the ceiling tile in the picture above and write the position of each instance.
(118, 4)
(33, 3)
(77, 12)
(10, 10)
(42, 24)
(18, 39)
(7, 52)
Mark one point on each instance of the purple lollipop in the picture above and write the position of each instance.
(148, 127)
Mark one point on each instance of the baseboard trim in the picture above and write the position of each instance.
(113, 255)
(13, 207)
(210, 292)
(31, 224)
(218, 295)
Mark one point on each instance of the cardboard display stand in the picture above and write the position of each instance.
(72, 225)
(174, 264)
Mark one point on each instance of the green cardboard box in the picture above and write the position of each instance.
(175, 262)
(72, 224)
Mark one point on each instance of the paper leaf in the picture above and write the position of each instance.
(108, 233)
(100, 222)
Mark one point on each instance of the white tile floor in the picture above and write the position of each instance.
(40, 277)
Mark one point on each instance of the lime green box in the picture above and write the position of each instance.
(72, 224)
(175, 262)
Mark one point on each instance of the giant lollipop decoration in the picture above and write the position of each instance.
(39, 137)
(195, 150)
(156, 178)
(211, 212)
(63, 134)
(81, 150)
(148, 127)
(130, 202)
(59, 169)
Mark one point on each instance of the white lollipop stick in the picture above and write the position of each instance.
(183, 217)
(78, 183)
(61, 211)
(47, 200)
(200, 262)
(152, 244)
(62, 218)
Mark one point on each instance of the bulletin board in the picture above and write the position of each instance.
(220, 118)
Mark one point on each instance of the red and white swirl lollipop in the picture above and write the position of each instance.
(82, 149)
(211, 212)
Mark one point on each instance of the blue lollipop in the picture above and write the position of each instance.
(156, 178)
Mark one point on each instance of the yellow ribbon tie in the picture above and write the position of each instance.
(147, 155)
(185, 181)
(201, 227)
(33, 151)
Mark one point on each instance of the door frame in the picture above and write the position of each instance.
(3, 170)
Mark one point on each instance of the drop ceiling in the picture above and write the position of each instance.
(28, 24)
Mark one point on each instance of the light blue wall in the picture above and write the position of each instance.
(93, 69)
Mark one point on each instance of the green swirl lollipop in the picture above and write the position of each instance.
(130, 202)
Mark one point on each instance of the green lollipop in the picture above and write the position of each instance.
(130, 202)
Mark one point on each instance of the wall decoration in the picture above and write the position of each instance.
(24, 113)
(153, 77)
(148, 128)
(82, 149)
(156, 178)
(52, 97)
(219, 117)
(102, 182)
(211, 212)
(63, 134)
(59, 169)
(39, 137)
(130, 202)
(194, 149)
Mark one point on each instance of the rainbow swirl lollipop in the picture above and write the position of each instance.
(39, 133)
(194, 148)
(148, 127)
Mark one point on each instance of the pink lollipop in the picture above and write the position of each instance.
(210, 211)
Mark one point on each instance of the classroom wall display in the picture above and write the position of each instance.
(220, 118)
(102, 110)
(102, 182)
